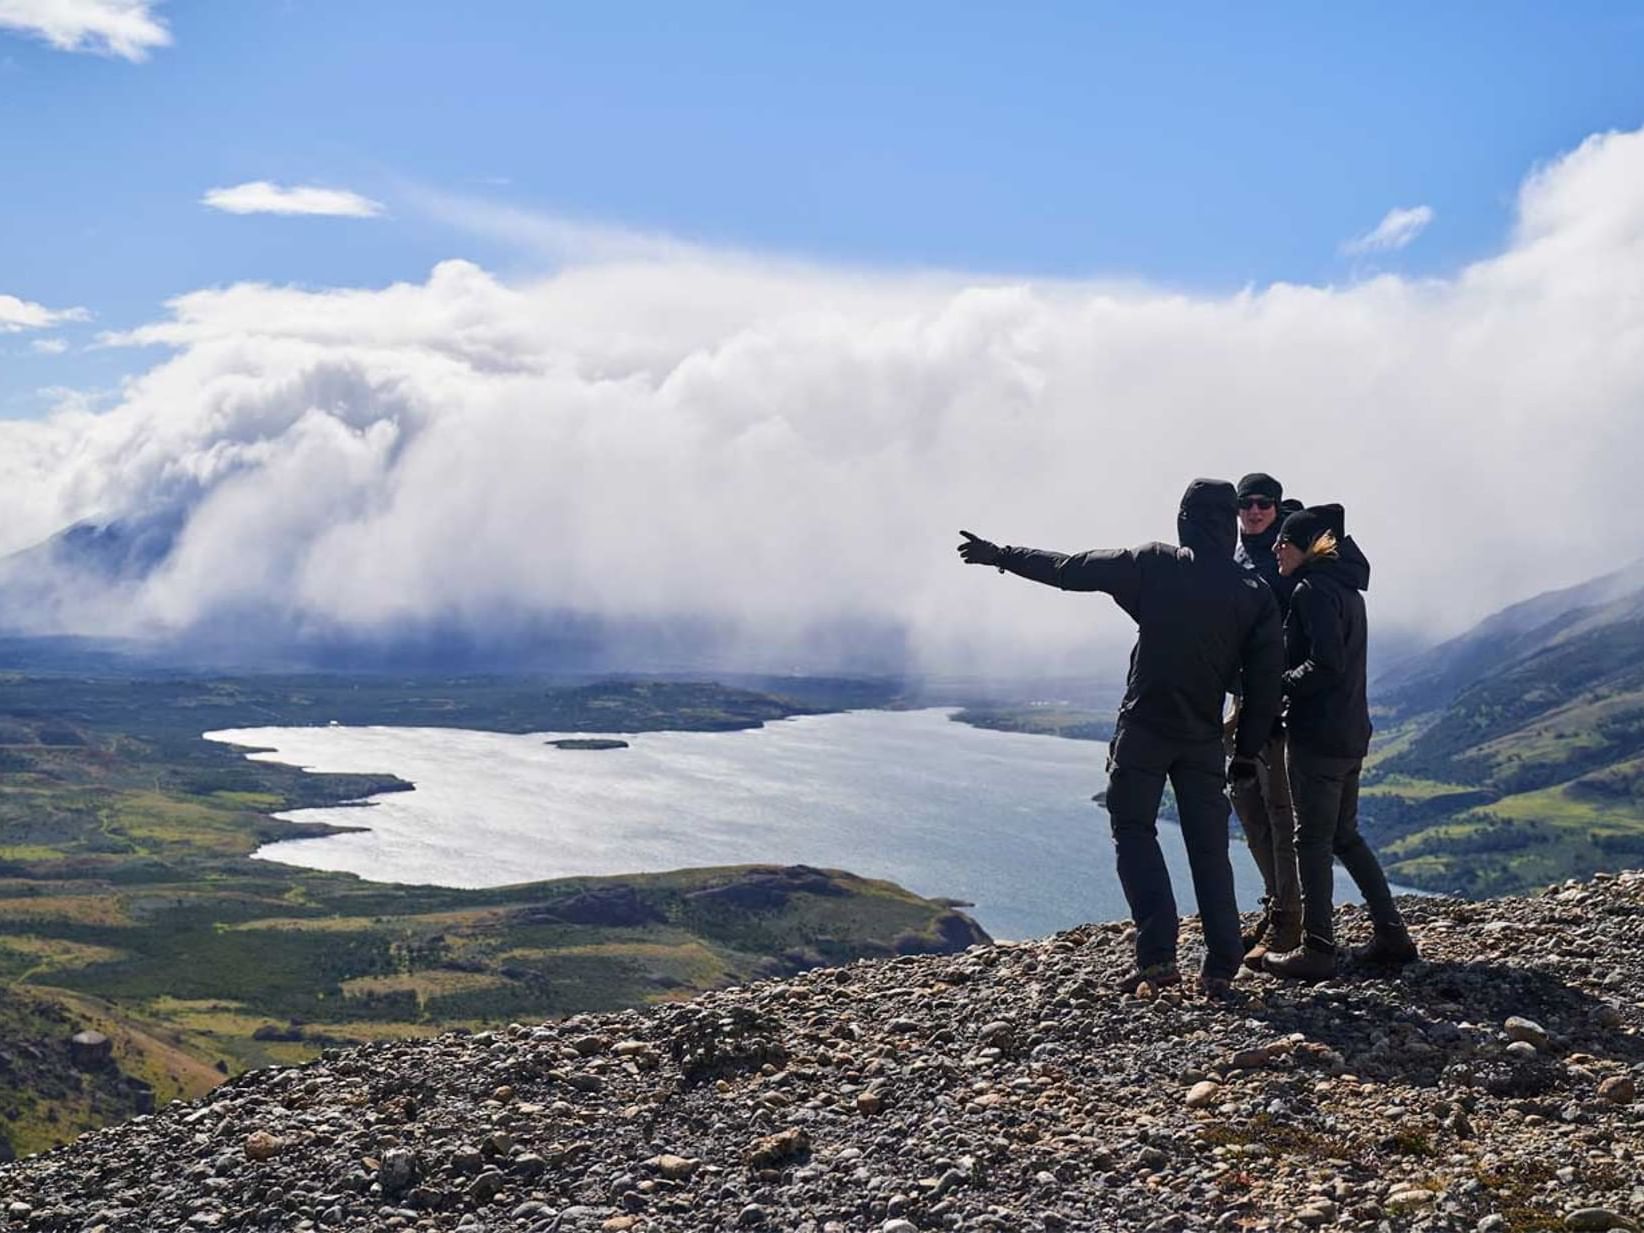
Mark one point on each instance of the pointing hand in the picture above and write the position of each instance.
(978, 551)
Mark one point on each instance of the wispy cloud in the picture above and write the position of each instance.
(262, 197)
(1395, 231)
(49, 346)
(552, 236)
(124, 28)
(16, 314)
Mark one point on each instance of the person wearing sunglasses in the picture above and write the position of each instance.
(1203, 622)
(1262, 800)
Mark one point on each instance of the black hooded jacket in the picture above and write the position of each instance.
(1205, 626)
(1256, 551)
(1324, 652)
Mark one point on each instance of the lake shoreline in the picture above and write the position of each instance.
(1000, 820)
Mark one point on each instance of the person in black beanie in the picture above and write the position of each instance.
(1327, 723)
(1262, 801)
(1203, 623)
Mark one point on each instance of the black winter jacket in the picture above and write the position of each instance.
(1324, 651)
(1256, 551)
(1205, 626)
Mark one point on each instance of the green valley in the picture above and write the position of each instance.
(130, 905)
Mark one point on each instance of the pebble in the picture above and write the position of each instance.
(1596, 1220)
(260, 1145)
(1527, 1030)
(1202, 1093)
(1618, 1089)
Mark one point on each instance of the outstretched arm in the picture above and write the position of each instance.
(1112, 570)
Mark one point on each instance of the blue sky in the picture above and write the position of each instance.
(1207, 146)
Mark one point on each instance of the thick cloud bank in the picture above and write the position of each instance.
(777, 451)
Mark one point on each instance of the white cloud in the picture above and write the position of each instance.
(1398, 227)
(262, 197)
(16, 314)
(49, 346)
(125, 28)
(787, 449)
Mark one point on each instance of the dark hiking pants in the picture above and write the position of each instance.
(1269, 823)
(1326, 795)
(1139, 762)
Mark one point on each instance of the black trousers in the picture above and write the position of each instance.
(1325, 791)
(1139, 762)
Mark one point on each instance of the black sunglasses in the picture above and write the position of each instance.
(1255, 502)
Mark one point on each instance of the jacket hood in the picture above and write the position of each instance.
(1350, 565)
(1208, 520)
(1346, 562)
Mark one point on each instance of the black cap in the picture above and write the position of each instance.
(1261, 484)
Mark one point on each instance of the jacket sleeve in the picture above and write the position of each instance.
(1326, 660)
(1260, 668)
(1116, 571)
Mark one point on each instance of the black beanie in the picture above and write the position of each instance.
(1260, 484)
(1304, 527)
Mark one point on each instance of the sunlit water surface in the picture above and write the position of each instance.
(1002, 820)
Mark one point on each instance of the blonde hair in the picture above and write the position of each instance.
(1324, 546)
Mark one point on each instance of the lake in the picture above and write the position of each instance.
(1002, 820)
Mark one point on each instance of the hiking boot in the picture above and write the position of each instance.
(1390, 947)
(1284, 933)
(1313, 961)
(1146, 983)
(1215, 988)
(1252, 936)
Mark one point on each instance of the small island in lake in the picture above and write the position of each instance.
(589, 742)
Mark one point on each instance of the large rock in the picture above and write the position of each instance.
(91, 1050)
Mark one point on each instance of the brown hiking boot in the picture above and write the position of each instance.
(1313, 961)
(1284, 933)
(1392, 946)
(1252, 936)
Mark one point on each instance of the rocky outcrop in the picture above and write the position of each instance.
(618, 906)
(1492, 1086)
(767, 889)
(91, 1050)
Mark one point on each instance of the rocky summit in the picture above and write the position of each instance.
(1492, 1086)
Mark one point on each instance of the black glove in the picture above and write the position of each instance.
(1241, 772)
(977, 551)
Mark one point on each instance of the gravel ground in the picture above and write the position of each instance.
(1489, 1087)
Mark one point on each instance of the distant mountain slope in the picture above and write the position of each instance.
(1514, 754)
(1433, 678)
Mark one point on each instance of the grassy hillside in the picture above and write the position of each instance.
(1532, 772)
(1505, 760)
(129, 902)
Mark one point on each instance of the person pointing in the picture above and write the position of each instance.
(1205, 627)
